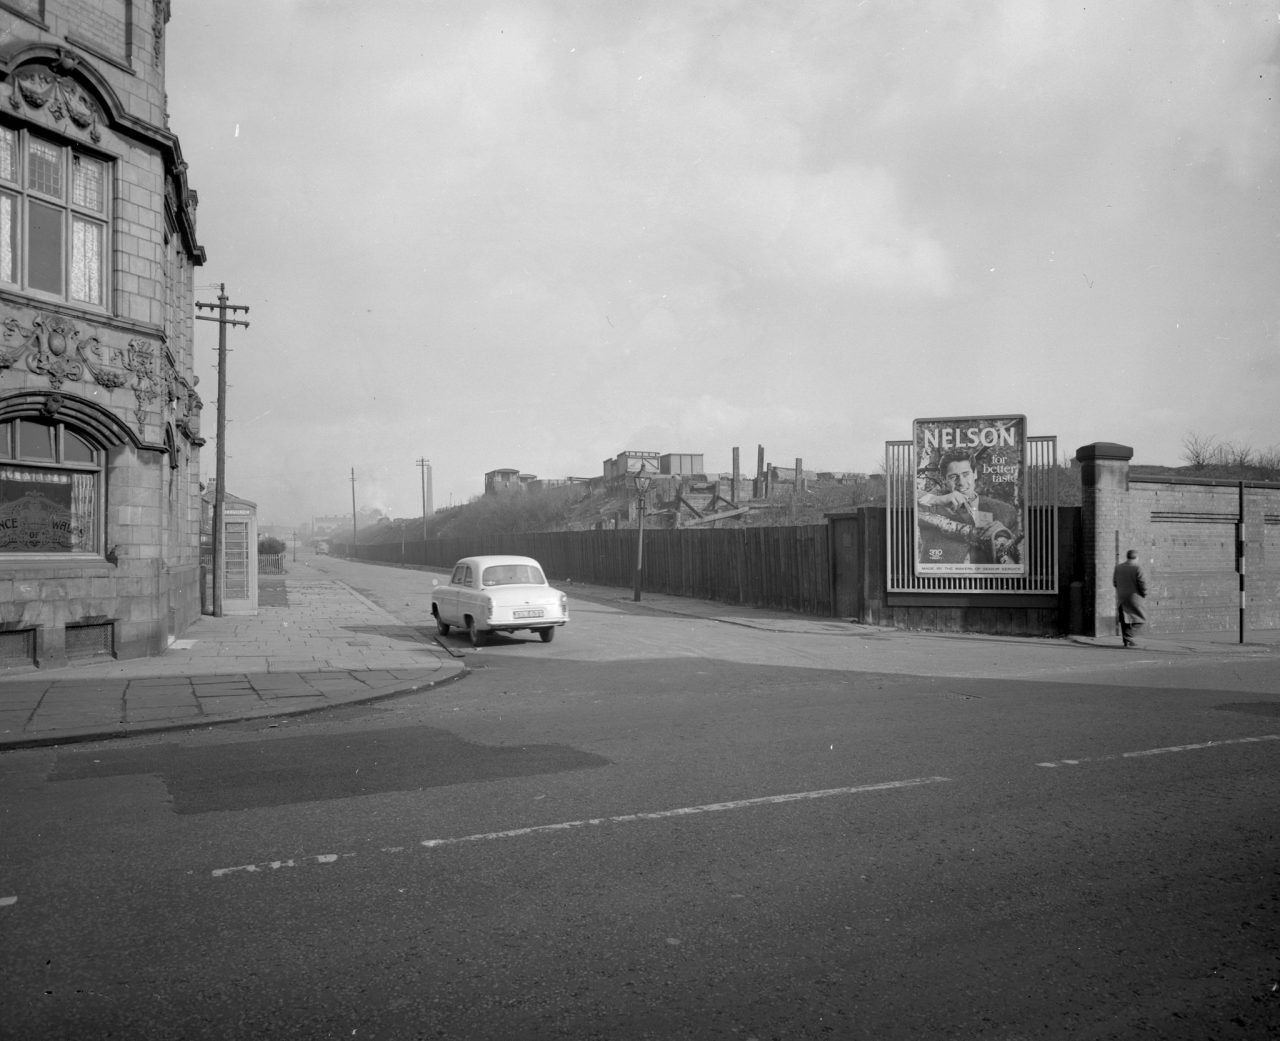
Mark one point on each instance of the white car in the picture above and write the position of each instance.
(498, 595)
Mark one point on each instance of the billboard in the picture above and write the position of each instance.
(970, 495)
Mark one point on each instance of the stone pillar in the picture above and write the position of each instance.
(1104, 479)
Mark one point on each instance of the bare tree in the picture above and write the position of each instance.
(1269, 458)
(1230, 458)
(1239, 456)
(1199, 450)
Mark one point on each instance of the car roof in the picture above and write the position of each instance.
(483, 562)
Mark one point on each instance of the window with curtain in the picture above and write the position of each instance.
(53, 218)
(50, 489)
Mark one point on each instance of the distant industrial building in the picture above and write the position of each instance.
(504, 479)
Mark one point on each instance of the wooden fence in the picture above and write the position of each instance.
(836, 569)
(785, 568)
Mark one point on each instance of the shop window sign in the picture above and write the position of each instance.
(44, 511)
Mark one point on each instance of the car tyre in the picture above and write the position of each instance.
(473, 631)
(442, 627)
(546, 635)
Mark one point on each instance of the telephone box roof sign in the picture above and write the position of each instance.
(970, 495)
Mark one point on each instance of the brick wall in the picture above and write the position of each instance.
(1185, 533)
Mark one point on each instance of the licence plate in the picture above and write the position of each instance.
(528, 614)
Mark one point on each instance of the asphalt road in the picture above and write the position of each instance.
(662, 827)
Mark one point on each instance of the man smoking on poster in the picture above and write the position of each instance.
(959, 526)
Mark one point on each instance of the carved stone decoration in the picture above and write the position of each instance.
(159, 15)
(52, 346)
(140, 360)
(182, 404)
(91, 352)
(49, 348)
(42, 87)
(52, 405)
(195, 406)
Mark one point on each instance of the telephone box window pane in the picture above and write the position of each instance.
(35, 440)
(236, 553)
(86, 261)
(44, 230)
(44, 168)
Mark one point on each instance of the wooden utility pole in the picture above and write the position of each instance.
(424, 466)
(220, 456)
(354, 529)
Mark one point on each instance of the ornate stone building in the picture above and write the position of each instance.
(99, 415)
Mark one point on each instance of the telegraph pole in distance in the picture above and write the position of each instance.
(354, 529)
(424, 465)
(220, 465)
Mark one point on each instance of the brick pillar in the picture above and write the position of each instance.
(1104, 478)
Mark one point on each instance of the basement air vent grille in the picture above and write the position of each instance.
(89, 641)
(17, 647)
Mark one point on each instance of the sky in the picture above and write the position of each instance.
(535, 234)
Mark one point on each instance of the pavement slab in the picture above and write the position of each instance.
(322, 645)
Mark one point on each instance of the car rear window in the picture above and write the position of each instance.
(513, 575)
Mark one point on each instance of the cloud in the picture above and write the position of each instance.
(725, 222)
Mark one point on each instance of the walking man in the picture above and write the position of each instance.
(1131, 588)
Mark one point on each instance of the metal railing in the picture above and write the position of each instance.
(1040, 546)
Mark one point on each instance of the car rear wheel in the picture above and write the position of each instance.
(477, 637)
(546, 635)
(442, 627)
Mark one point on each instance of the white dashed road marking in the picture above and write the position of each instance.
(625, 818)
(685, 811)
(1163, 751)
(276, 865)
(8, 901)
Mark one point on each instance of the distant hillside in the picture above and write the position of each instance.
(581, 507)
(1210, 471)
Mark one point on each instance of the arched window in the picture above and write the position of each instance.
(50, 488)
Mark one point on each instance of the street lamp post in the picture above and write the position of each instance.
(642, 481)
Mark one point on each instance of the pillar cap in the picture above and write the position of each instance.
(1101, 451)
